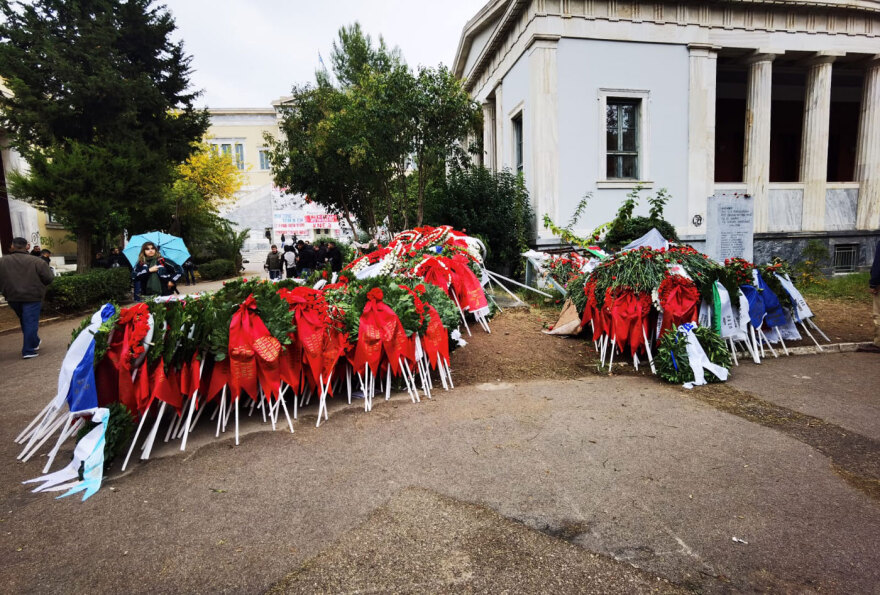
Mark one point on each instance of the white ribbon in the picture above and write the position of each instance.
(802, 310)
(729, 326)
(697, 358)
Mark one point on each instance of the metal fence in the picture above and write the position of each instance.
(845, 258)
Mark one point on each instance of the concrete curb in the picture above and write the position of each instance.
(829, 348)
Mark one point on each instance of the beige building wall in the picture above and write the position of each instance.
(246, 128)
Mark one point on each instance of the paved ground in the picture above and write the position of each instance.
(565, 485)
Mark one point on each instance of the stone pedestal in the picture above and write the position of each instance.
(703, 61)
(868, 150)
(814, 143)
(756, 155)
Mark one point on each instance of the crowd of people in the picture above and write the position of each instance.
(301, 258)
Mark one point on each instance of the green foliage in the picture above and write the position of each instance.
(494, 206)
(99, 107)
(74, 293)
(638, 270)
(851, 287)
(349, 146)
(120, 428)
(672, 361)
(217, 269)
(625, 228)
(444, 305)
(808, 272)
(575, 289)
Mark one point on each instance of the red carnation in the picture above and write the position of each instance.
(375, 294)
(420, 288)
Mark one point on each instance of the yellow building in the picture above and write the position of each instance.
(260, 206)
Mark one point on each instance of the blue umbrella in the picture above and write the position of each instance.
(171, 247)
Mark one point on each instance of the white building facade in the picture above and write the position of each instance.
(779, 100)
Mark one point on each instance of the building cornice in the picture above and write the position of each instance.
(859, 18)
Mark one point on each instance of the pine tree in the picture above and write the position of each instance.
(100, 108)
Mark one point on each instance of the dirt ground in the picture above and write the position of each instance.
(517, 349)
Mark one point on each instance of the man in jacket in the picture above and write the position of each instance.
(273, 264)
(23, 281)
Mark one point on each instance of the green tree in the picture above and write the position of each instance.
(443, 114)
(494, 206)
(100, 109)
(351, 145)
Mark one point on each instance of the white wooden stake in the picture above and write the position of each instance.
(136, 434)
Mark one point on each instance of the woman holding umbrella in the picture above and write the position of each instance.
(157, 275)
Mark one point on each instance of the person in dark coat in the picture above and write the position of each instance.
(157, 275)
(100, 262)
(23, 281)
(116, 259)
(189, 271)
(305, 263)
(874, 284)
(320, 256)
(334, 256)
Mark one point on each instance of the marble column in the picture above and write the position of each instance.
(489, 134)
(499, 130)
(756, 155)
(868, 150)
(703, 61)
(814, 142)
(541, 132)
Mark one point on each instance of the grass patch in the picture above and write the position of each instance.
(853, 286)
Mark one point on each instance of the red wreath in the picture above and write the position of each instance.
(679, 300)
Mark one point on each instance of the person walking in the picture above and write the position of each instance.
(23, 281)
(189, 271)
(273, 264)
(289, 261)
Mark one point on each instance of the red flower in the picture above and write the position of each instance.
(323, 274)
(343, 279)
(420, 288)
(375, 294)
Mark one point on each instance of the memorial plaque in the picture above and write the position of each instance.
(730, 226)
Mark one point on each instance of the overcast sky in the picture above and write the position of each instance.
(247, 53)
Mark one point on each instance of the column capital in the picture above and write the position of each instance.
(762, 55)
(703, 49)
(823, 57)
(873, 61)
(543, 41)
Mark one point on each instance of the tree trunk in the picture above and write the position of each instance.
(83, 251)
(422, 176)
(348, 216)
(403, 197)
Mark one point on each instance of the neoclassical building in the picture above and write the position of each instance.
(777, 99)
